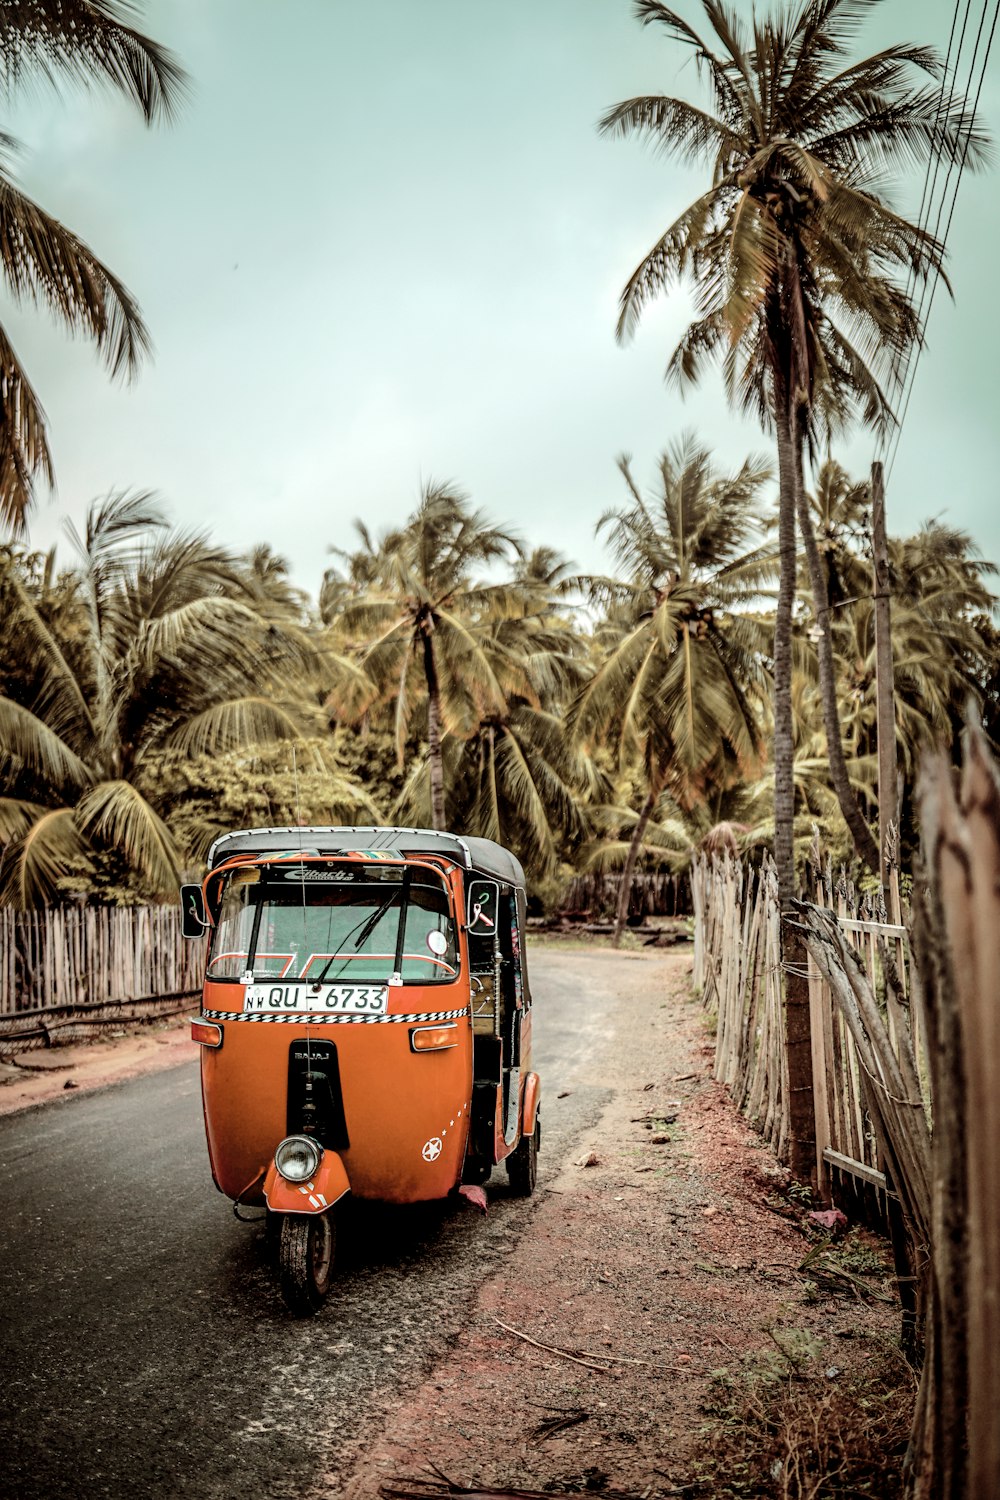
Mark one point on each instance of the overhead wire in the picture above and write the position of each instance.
(949, 80)
(930, 286)
(934, 156)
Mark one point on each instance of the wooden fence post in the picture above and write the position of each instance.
(888, 816)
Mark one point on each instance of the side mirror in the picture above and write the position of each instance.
(194, 919)
(484, 908)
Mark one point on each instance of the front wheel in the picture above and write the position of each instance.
(522, 1163)
(305, 1261)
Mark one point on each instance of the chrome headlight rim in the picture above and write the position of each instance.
(297, 1158)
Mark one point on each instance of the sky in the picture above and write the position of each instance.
(383, 245)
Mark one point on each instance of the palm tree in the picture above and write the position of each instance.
(41, 260)
(425, 623)
(514, 775)
(157, 650)
(682, 682)
(793, 252)
(941, 643)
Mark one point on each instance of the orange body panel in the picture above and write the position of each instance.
(407, 1113)
(326, 1187)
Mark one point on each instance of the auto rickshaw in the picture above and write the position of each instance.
(365, 1026)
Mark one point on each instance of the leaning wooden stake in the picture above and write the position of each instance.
(885, 715)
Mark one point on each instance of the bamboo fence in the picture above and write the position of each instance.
(867, 1024)
(737, 968)
(955, 1445)
(66, 968)
(866, 1073)
(654, 893)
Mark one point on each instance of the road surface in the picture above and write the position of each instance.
(145, 1350)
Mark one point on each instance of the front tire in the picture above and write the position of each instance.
(305, 1261)
(522, 1163)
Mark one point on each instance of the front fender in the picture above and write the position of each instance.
(327, 1185)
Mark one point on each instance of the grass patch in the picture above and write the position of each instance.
(793, 1427)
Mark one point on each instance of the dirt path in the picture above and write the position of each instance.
(652, 1250)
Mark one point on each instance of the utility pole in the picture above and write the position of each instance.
(888, 816)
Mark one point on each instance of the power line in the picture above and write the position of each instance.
(934, 156)
(930, 288)
(931, 176)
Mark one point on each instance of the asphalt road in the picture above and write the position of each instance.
(145, 1350)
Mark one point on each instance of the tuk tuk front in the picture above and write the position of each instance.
(365, 1026)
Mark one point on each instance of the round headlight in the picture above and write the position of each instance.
(297, 1157)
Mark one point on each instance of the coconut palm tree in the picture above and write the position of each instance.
(158, 649)
(795, 257)
(794, 254)
(423, 620)
(682, 682)
(41, 261)
(941, 643)
(514, 775)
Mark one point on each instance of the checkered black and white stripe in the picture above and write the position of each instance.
(320, 1018)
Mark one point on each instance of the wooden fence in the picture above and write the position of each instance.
(737, 968)
(854, 1053)
(64, 968)
(654, 893)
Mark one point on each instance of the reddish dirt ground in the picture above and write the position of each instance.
(653, 1253)
(44, 1075)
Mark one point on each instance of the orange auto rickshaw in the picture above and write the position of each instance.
(365, 1026)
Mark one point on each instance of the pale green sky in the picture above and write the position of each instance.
(385, 243)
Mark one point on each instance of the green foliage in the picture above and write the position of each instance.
(154, 647)
(268, 786)
(43, 262)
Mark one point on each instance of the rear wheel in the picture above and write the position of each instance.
(305, 1261)
(522, 1163)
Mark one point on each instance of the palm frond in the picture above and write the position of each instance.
(88, 40)
(32, 866)
(45, 262)
(117, 814)
(24, 448)
(27, 739)
(16, 817)
(239, 721)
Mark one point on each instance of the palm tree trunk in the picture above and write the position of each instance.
(628, 873)
(798, 1041)
(864, 844)
(434, 759)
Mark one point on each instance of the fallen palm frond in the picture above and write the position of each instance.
(587, 1356)
(561, 1418)
(442, 1488)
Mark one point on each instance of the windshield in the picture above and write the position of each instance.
(331, 922)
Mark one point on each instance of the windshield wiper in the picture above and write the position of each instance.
(363, 933)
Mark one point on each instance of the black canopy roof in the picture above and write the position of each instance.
(482, 855)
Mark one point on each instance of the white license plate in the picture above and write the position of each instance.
(344, 999)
